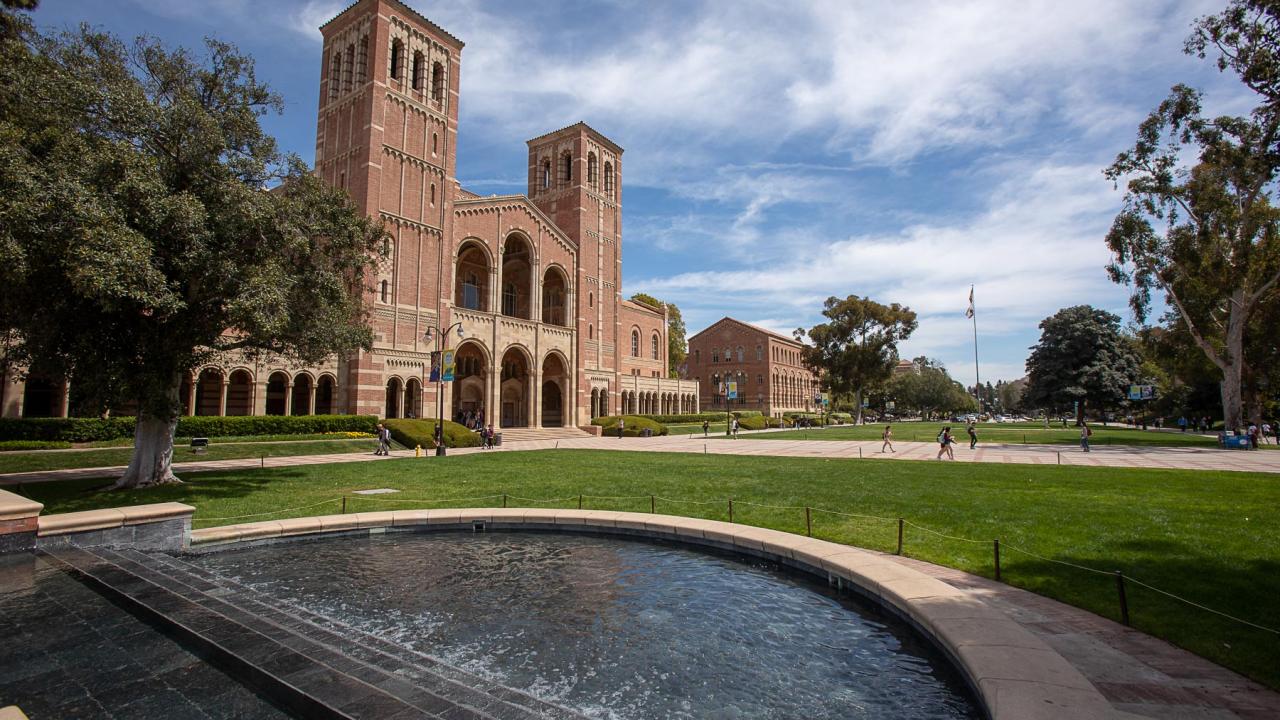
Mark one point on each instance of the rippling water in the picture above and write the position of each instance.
(614, 628)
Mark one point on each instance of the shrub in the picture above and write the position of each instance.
(636, 424)
(747, 413)
(686, 418)
(33, 445)
(760, 422)
(92, 429)
(411, 433)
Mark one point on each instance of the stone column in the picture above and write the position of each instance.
(192, 385)
(259, 398)
(311, 402)
(14, 390)
(288, 398)
(535, 420)
(64, 404)
(223, 389)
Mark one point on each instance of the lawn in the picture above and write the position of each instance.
(997, 433)
(34, 460)
(1210, 537)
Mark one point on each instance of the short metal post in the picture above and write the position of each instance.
(262, 462)
(344, 504)
(900, 523)
(1124, 601)
(579, 502)
(808, 522)
(997, 546)
(504, 499)
(1059, 457)
(859, 452)
(653, 505)
(730, 509)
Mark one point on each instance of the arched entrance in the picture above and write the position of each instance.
(300, 402)
(240, 393)
(277, 388)
(555, 292)
(413, 398)
(324, 395)
(40, 398)
(515, 389)
(517, 266)
(470, 380)
(209, 392)
(393, 399)
(555, 387)
(471, 281)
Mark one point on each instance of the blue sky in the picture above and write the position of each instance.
(779, 153)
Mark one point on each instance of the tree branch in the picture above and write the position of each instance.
(1191, 327)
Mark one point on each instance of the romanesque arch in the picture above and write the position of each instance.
(413, 398)
(326, 394)
(470, 382)
(277, 392)
(471, 276)
(517, 276)
(209, 392)
(394, 402)
(240, 392)
(514, 391)
(555, 296)
(300, 396)
(555, 390)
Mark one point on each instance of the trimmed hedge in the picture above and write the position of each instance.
(411, 433)
(759, 422)
(635, 425)
(8, 445)
(686, 418)
(90, 429)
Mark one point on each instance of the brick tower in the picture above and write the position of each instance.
(575, 178)
(386, 133)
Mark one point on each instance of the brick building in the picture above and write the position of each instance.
(765, 364)
(535, 280)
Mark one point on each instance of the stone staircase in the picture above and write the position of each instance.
(311, 664)
(560, 433)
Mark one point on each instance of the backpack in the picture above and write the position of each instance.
(1088, 431)
(942, 436)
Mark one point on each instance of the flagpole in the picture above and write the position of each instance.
(977, 380)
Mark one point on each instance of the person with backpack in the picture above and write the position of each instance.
(384, 440)
(887, 437)
(944, 441)
(1085, 432)
(735, 428)
(622, 425)
(706, 426)
(973, 436)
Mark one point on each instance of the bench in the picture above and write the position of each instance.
(199, 445)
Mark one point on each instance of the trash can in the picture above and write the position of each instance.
(497, 439)
(1237, 442)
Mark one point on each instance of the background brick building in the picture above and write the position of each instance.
(765, 364)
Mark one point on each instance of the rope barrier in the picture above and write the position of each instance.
(949, 537)
(1202, 607)
(856, 515)
(418, 500)
(273, 512)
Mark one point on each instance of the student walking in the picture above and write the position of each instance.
(384, 440)
(887, 437)
(973, 436)
(622, 425)
(706, 426)
(735, 428)
(1085, 432)
(944, 443)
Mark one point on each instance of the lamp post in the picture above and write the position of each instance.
(441, 338)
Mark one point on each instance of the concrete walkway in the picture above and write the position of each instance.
(1167, 458)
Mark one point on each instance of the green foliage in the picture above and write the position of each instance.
(927, 391)
(760, 422)
(9, 445)
(677, 344)
(858, 345)
(412, 433)
(635, 425)
(686, 418)
(95, 429)
(1081, 357)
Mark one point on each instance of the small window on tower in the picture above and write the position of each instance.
(566, 168)
(433, 194)
(592, 169)
(397, 59)
(591, 300)
(386, 291)
(546, 173)
(419, 69)
(437, 82)
(435, 143)
(608, 180)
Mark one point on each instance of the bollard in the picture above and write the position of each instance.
(504, 499)
(653, 505)
(730, 509)
(808, 522)
(1059, 457)
(579, 502)
(344, 504)
(1124, 601)
(263, 461)
(859, 452)
(900, 522)
(997, 544)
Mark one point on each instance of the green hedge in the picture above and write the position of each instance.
(677, 419)
(411, 433)
(91, 429)
(7, 445)
(759, 422)
(635, 425)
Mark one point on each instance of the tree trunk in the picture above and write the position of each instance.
(1232, 407)
(1233, 367)
(152, 461)
(857, 400)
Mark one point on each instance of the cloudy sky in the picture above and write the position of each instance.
(780, 153)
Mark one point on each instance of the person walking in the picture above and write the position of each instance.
(1182, 423)
(1253, 436)
(384, 440)
(1085, 432)
(622, 425)
(944, 443)
(887, 437)
(1265, 434)
(973, 436)
(706, 426)
(735, 428)
(488, 436)
(951, 440)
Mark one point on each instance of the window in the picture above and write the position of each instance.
(715, 355)
(342, 180)
(739, 353)
(397, 59)
(566, 168)
(635, 343)
(435, 143)
(335, 74)
(433, 194)
(654, 344)
(697, 357)
(471, 292)
(419, 70)
(760, 379)
(592, 170)
(349, 68)
(437, 82)
(608, 179)
(509, 299)
(591, 331)
(362, 61)
(546, 173)
(386, 291)
(591, 300)
(759, 352)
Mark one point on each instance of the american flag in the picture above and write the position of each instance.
(969, 313)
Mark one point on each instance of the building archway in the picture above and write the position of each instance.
(555, 293)
(40, 398)
(470, 383)
(413, 398)
(517, 276)
(209, 392)
(555, 388)
(277, 393)
(240, 393)
(514, 389)
(471, 277)
(325, 392)
(393, 399)
(300, 401)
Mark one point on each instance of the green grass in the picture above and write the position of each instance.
(1212, 537)
(13, 462)
(186, 441)
(1000, 434)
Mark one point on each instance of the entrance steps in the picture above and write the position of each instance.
(560, 433)
(311, 664)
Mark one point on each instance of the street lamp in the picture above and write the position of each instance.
(441, 338)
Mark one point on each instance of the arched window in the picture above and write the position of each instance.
(335, 74)
(566, 168)
(509, 299)
(608, 179)
(635, 343)
(715, 355)
(591, 332)
(437, 82)
(433, 194)
(697, 357)
(592, 170)
(386, 291)
(362, 61)
(397, 59)
(418, 72)
(591, 299)
(471, 292)
(654, 348)
(349, 68)
(759, 352)
(740, 353)
(546, 173)
(435, 143)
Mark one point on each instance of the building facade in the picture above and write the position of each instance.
(765, 365)
(534, 281)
